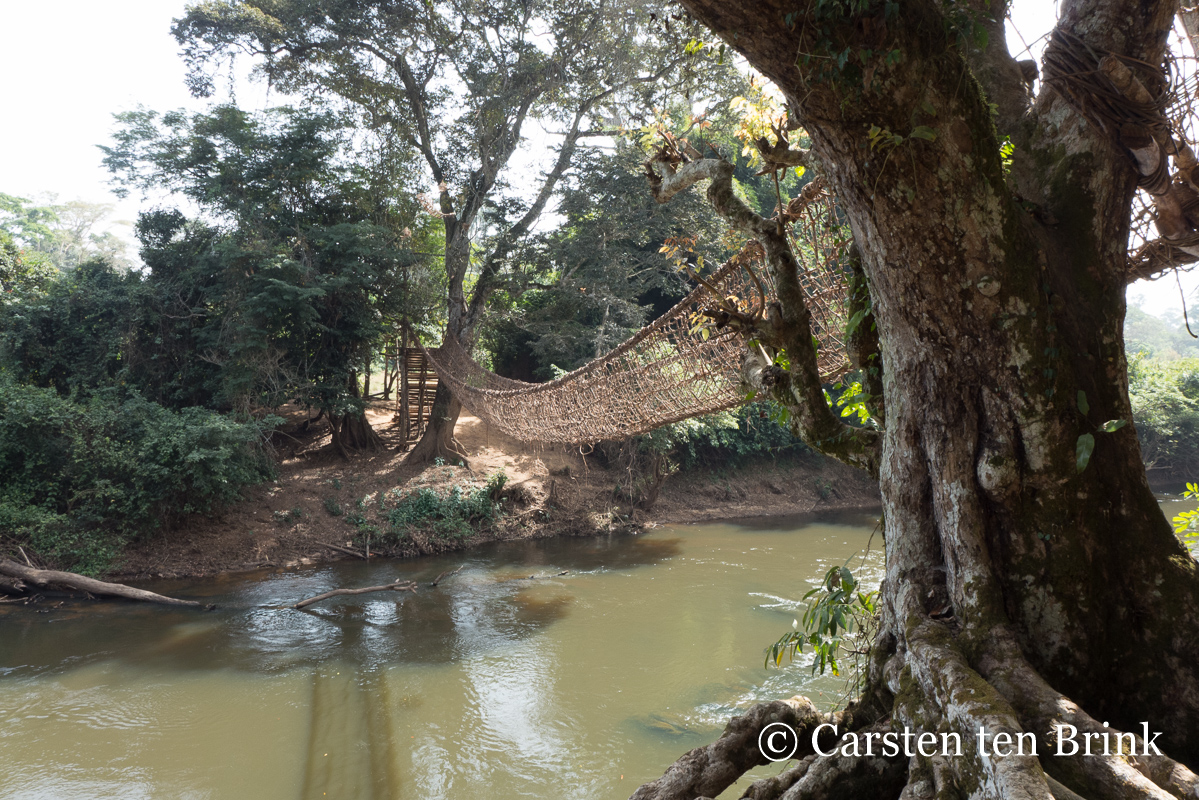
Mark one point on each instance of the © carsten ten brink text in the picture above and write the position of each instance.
(1068, 740)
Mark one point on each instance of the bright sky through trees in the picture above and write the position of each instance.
(110, 57)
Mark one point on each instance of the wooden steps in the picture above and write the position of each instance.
(414, 399)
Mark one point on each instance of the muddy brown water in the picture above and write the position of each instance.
(581, 685)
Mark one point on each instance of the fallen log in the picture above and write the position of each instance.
(44, 578)
(398, 586)
(13, 587)
(345, 550)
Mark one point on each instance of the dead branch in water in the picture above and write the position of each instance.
(398, 586)
(447, 574)
(543, 577)
(44, 578)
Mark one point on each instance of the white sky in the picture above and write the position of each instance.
(68, 65)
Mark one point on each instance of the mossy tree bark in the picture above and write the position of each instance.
(1020, 592)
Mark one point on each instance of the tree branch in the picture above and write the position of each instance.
(1003, 80)
(79, 583)
(789, 325)
(398, 586)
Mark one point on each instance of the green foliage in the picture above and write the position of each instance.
(1188, 521)
(83, 478)
(835, 609)
(61, 235)
(1160, 338)
(1082, 451)
(850, 400)
(1165, 409)
(452, 514)
(1085, 446)
(24, 274)
(458, 86)
(333, 507)
(725, 439)
(313, 266)
(79, 334)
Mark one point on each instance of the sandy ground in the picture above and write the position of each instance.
(550, 491)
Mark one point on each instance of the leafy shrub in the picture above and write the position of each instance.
(726, 438)
(288, 517)
(454, 514)
(835, 609)
(80, 479)
(1165, 408)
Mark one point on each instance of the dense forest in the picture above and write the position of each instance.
(137, 395)
(302, 242)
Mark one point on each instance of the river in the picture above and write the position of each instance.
(492, 685)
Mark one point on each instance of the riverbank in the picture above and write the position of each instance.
(320, 502)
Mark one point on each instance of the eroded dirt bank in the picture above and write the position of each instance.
(321, 501)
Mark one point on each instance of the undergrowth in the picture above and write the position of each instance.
(454, 513)
(81, 479)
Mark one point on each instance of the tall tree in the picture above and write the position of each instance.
(312, 264)
(66, 233)
(1031, 581)
(461, 81)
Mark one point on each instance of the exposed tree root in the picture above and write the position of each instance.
(438, 440)
(1112, 771)
(937, 689)
(708, 771)
(775, 785)
(849, 778)
(353, 432)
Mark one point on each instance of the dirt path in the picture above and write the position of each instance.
(551, 491)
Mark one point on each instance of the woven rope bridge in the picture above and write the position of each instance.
(680, 366)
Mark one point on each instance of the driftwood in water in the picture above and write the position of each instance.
(447, 574)
(398, 586)
(43, 578)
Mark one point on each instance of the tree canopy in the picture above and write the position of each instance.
(461, 84)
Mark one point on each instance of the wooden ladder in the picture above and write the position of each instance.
(414, 400)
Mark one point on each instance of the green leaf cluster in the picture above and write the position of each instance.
(835, 609)
(1165, 409)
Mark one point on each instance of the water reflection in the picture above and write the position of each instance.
(251, 631)
(493, 685)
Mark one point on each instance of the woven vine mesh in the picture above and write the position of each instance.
(680, 366)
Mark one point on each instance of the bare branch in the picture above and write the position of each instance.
(398, 586)
(79, 583)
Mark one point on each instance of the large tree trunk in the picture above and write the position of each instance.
(351, 431)
(438, 439)
(1020, 592)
